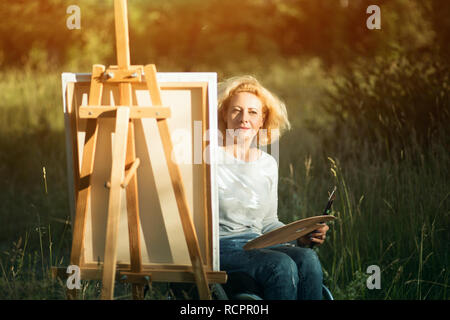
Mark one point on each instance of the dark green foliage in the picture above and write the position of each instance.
(394, 104)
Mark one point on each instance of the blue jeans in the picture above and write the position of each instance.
(284, 272)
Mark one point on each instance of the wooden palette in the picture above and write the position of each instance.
(289, 232)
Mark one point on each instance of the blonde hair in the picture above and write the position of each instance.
(276, 120)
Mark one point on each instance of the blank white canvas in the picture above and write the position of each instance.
(162, 237)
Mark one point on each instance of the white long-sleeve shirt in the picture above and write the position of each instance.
(248, 194)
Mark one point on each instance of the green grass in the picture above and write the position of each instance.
(393, 199)
(393, 202)
(400, 226)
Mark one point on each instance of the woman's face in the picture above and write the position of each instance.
(244, 115)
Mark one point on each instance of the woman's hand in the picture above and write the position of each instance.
(316, 237)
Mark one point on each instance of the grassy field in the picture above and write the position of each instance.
(393, 194)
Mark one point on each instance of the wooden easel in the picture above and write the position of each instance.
(124, 166)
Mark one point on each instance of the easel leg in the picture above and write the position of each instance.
(87, 166)
(178, 187)
(133, 217)
(114, 206)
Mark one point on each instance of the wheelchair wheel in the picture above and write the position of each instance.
(326, 293)
(217, 292)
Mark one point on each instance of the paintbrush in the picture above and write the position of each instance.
(327, 208)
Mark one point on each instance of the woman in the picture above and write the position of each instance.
(250, 116)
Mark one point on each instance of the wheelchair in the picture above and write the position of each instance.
(240, 286)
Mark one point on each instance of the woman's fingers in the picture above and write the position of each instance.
(317, 240)
(317, 237)
(317, 233)
(320, 236)
(321, 232)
